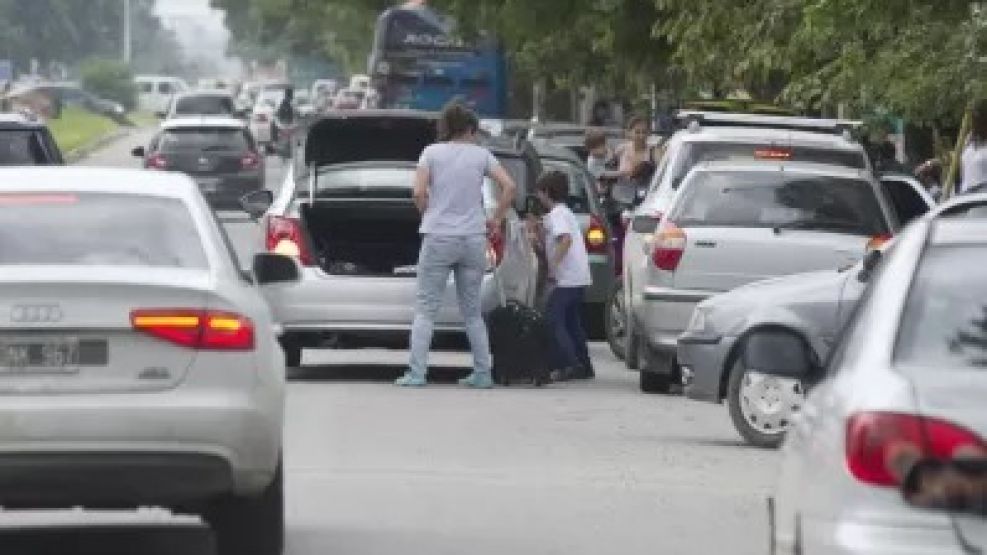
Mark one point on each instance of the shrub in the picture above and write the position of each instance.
(111, 80)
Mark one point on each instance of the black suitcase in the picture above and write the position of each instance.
(519, 341)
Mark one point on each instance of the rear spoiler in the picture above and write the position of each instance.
(697, 119)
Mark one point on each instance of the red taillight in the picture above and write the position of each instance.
(878, 241)
(495, 249)
(250, 161)
(874, 440)
(670, 244)
(284, 236)
(596, 236)
(772, 153)
(157, 162)
(196, 329)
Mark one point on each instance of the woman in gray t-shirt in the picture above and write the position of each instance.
(449, 194)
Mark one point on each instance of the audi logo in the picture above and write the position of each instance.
(36, 313)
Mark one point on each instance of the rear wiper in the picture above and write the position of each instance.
(214, 148)
(827, 225)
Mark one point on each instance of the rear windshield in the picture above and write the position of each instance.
(693, 153)
(945, 320)
(21, 148)
(205, 138)
(774, 199)
(82, 229)
(204, 105)
(357, 181)
(579, 184)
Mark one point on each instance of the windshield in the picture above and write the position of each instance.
(773, 199)
(944, 324)
(21, 148)
(80, 229)
(690, 154)
(204, 138)
(204, 105)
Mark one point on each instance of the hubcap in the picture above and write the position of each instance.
(768, 402)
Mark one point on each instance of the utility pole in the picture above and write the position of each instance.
(126, 32)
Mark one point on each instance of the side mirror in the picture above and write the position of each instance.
(645, 224)
(275, 268)
(871, 260)
(139, 152)
(257, 203)
(777, 353)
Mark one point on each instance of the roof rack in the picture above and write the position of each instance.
(696, 119)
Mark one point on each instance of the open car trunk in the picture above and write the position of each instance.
(365, 237)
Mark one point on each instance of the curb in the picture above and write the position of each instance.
(84, 151)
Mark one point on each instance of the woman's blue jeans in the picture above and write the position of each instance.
(466, 258)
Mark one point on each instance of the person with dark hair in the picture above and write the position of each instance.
(929, 173)
(974, 158)
(454, 229)
(597, 152)
(569, 273)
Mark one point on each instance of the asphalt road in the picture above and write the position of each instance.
(570, 469)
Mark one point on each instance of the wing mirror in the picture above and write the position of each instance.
(645, 224)
(778, 353)
(275, 268)
(257, 203)
(139, 152)
(871, 260)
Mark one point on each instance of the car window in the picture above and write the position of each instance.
(906, 202)
(775, 199)
(579, 184)
(80, 229)
(204, 105)
(357, 181)
(146, 87)
(21, 147)
(517, 169)
(691, 154)
(165, 88)
(944, 324)
(200, 138)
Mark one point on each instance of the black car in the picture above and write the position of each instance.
(218, 153)
(25, 142)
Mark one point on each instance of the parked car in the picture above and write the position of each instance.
(813, 306)
(585, 204)
(61, 94)
(732, 223)
(135, 356)
(154, 92)
(353, 227)
(218, 153)
(201, 103)
(888, 453)
(27, 142)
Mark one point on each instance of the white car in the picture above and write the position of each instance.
(138, 363)
(154, 92)
(733, 223)
(898, 410)
(269, 97)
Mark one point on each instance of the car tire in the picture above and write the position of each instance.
(616, 323)
(653, 378)
(739, 391)
(292, 353)
(250, 525)
(632, 349)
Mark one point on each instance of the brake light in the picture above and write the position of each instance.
(878, 241)
(773, 154)
(596, 236)
(876, 440)
(157, 162)
(196, 329)
(284, 236)
(250, 161)
(670, 243)
(28, 198)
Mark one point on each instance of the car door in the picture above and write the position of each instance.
(906, 196)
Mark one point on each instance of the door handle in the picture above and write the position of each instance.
(705, 244)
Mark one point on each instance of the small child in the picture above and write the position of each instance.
(569, 272)
(596, 144)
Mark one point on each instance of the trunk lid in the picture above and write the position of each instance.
(723, 258)
(63, 331)
(204, 162)
(370, 135)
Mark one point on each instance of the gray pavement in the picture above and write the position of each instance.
(579, 468)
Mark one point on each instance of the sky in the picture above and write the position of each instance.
(199, 28)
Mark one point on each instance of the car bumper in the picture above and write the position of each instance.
(856, 538)
(603, 273)
(703, 358)
(161, 446)
(665, 313)
(226, 191)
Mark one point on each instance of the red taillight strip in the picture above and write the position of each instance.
(195, 328)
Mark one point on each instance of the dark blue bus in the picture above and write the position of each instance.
(418, 63)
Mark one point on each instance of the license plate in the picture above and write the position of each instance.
(208, 185)
(56, 355)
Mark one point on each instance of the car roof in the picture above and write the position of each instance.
(966, 231)
(546, 149)
(12, 120)
(811, 168)
(69, 179)
(548, 129)
(203, 92)
(187, 122)
(761, 134)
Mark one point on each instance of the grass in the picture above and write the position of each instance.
(78, 128)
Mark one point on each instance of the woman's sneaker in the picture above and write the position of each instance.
(478, 381)
(410, 380)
